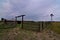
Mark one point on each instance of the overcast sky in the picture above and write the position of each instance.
(33, 9)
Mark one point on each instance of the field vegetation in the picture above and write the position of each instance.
(31, 31)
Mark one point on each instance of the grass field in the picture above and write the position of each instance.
(55, 27)
(11, 31)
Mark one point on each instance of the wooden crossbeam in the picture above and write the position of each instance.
(22, 19)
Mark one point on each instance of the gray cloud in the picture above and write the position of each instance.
(33, 9)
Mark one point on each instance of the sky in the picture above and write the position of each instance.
(36, 10)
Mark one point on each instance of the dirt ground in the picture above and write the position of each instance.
(21, 34)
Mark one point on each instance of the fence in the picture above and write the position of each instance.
(5, 25)
(35, 26)
(28, 25)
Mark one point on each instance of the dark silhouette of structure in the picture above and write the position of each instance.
(10, 21)
(51, 17)
(22, 19)
(4, 20)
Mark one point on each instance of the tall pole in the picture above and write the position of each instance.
(51, 23)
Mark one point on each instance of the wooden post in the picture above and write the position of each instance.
(15, 20)
(22, 22)
(38, 26)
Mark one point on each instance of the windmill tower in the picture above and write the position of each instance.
(51, 17)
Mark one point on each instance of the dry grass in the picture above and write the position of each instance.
(21, 34)
(17, 33)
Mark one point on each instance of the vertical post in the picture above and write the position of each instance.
(42, 25)
(39, 26)
(22, 22)
(15, 19)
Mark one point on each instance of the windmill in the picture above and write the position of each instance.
(51, 17)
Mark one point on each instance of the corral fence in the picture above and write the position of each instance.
(35, 26)
(8, 24)
(28, 25)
